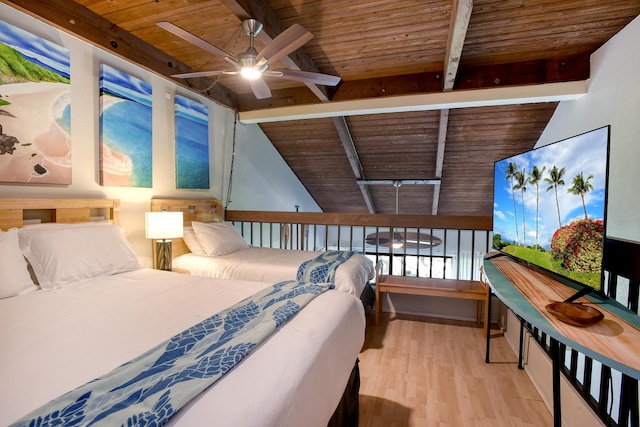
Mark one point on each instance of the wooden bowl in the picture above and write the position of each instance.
(575, 313)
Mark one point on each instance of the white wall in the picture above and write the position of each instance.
(258, 168)
(261, 180)
(613, 98)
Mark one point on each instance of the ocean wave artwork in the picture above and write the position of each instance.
(192, 144)
(35, 109)
(125, 130)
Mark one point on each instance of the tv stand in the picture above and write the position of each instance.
(614, 341)
(494, 255)
(582, 292)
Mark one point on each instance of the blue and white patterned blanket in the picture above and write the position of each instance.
(149, 389)
(322, 269)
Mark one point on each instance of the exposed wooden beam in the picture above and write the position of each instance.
(558, 69)
(442, 138)
(460, 16)
(342, 127)
(81, 22)
(551, 92)
(555, 70)
(434, 181)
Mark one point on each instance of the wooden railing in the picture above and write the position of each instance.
(464, 240)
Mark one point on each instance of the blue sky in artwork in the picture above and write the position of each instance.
(36, 49)
(586, 153)
(123, 85)
(194, 110)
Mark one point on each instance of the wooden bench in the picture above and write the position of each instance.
(448, 288)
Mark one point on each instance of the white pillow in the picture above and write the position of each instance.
(192, 242)
(218, 238)
(14, 275)
(61, 254)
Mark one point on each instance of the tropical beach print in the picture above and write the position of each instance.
(192, 144)
(125, 130)
(35, 109)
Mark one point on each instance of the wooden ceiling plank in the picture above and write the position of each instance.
(81, 22)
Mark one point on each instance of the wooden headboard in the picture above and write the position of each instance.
(19, 212)
(200, 210)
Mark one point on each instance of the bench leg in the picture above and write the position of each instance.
(378, 305)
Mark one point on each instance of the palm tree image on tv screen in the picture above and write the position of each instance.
(550, 206)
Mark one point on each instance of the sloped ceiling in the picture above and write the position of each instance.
(430, 91)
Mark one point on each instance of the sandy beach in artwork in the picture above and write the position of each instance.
(116, 168)
(43, 153)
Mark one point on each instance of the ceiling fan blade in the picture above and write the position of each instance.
(202, 74)
(260, 89)
(309, 77)
(286, 42)
(185, 35)
(272, 73)
(233, 61)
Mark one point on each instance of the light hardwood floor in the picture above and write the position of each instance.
(431, 372)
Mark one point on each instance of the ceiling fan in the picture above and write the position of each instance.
(252, 64)
(406, 239)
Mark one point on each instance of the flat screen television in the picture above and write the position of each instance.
(550, 205)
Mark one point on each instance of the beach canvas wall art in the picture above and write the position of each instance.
(192, 144)
(125, 130)
(35, 109)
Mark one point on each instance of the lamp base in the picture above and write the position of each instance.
(163, 255)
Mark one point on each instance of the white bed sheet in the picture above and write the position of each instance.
(55, 341)
(275, 265)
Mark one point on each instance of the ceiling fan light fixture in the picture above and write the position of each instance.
(398, 241)
(250, 73)
(252, 64)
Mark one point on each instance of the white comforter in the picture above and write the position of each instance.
(54, 341)
(274, 265)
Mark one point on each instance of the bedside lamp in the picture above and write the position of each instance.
(162, 226)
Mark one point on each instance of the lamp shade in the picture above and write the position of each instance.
(163, 225)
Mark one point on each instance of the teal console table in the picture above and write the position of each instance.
(614, 341)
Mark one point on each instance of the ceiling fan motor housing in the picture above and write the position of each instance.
(252, 27)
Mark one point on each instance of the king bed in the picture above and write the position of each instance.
(97, 314)
(213, 248)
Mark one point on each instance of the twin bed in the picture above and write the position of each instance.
(95, 310)
(212, 248)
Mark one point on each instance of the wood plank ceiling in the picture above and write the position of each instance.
(379, 49)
